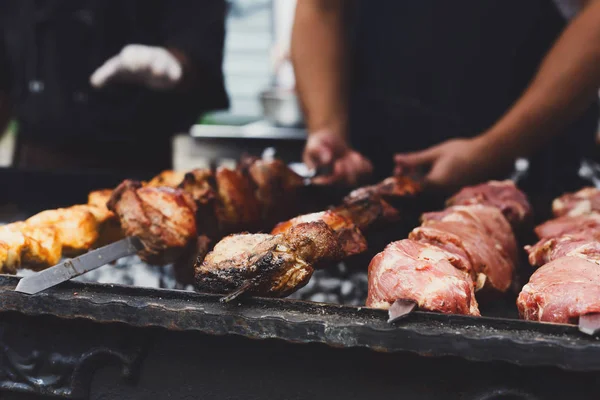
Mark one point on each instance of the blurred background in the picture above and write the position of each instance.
(259, 81)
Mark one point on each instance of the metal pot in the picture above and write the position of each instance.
(281, 107)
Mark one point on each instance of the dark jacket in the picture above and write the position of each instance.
(431, 70)
(50, 48)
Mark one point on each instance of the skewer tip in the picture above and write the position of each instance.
(400, 309)
(590, 324)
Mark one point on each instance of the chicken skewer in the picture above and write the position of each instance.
(143, 209)
(80, 228)
(279, 263)
(159, 222)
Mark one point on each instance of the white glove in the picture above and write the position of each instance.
(153, 67)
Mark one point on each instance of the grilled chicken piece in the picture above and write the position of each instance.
(22, 246)
(109, 230)
(237, 207)
(348, 235)
(276, 186)
(583, 202)
(99, 198)
(267, 265)
(108, 225)
(503, 195)
(162, 218)
(485, 218)
(561, 291)
(422, 273)
(166, 178)
(589, 223)
(13, 244)
(201, 184)
(76, 226)
(45, 249)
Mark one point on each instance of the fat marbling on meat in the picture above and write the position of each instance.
(588, 223)
(485, 218)
(583, 202)
(580, 244)
(561, 291)
(503, 195)
(476, 252)
(422, 273)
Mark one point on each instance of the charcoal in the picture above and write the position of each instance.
(329, 284)
(319, 298)
(347, 288)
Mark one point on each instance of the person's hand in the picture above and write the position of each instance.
(153, 67)
(451, 164)
(327, 149)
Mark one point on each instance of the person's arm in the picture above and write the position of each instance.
(566, 84)
(318, 56)
(317, 52)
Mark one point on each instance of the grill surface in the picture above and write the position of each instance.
(478, 339)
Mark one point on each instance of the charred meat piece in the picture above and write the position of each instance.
(589, 223)
(369, 206)
(580, 244)
(367, 211)
(237, 207)
(276, 186)
(503, 195)
(348, 235)
(485, 218)
(166, 178)
(195, 254)
(162, 218)
(408, 270)
(583, 202)
(389, 188)
(201, 185)
(76, 226)
(267, 265)
(561, 291)
(476, 252)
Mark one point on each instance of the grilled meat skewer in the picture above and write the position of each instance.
(164, 219)
(282, 262)
(469, 245)
(267, 265)
(348, 235)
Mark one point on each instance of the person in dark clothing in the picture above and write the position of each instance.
(459, 89)
(104, 84)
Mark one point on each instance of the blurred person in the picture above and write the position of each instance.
(458, 89)
(104, 84)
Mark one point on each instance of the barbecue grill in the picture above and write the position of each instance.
(86, 340)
